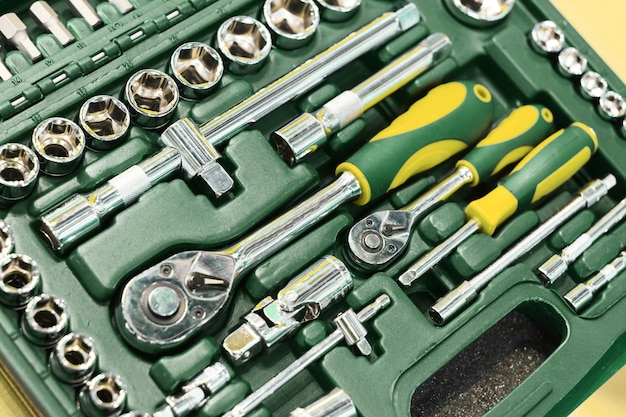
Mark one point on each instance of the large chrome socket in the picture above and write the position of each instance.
(106, 121)
(59, 144)
(74, 358)
(197, 68)
(103, 396)
(19, 169)
(152, 98)
(46, 319)
(293, 22)
(245, 42)
(20, 280)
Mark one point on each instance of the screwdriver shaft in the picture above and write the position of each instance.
(83, 9)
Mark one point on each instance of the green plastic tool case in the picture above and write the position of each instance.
(517, 329)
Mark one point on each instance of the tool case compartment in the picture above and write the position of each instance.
(414, 362)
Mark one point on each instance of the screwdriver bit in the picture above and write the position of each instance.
(83, 9)
(124, 6)
(48, 19)
(5, 74)
(14, 31)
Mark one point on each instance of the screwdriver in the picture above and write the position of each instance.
(543, 170)
(382, 236)
(191, 288)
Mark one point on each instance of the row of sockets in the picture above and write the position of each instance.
(548, 39)
(45, 321)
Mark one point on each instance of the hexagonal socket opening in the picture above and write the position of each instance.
(593, 84)
(107, 391)
(572, 62)
(547, 37)
(59, 139)
(152, 92)
(76, 351)
(47, 312)
(18, 271)
(294, 18)
(197, 65)
(18, 164)
(104, 117)
(340, 5)
(243, 38)
(612, 105)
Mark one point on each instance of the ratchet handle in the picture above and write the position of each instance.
(543, 170)
(446, 121)
(509, 142)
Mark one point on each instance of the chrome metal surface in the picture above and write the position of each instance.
(106, 121)
(74, 358)
(83, 214)
(556, 266)
(203, 281)
(547, 37)
(103, 396)
(302, 300)
(481, 13)
(19, 169)
(20, 280)
(303, 135)
(612, 106)
(338, 10)
(283, 377)
(572, 63)
(245, 42)
(334, 404)
(382, 236)
(152, 97)
(7, 243)
(293, 22)
(46, 319)
(59, 144)
(455, 301)
(593, 85)
(197, 68)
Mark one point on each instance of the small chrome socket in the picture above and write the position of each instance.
(46, 320)
(152, 98)
(59, 144)
(197, 68)
(245, 42)
(571, 62)
(74, 358)
(20, 280)
(593, 85)
(136, 414)
(19, 169)
(547, 38)
(338, 10)
(103, 396)
(7, 243)
(480, 13)
(293, 22)
(105, 120)
(612, 106)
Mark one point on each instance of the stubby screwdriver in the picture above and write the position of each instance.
(307, 132)
(349, 329)
(456, 300)
(196, 286)
(382, 236)
(556, 266)
(581, 295)
(543, 170)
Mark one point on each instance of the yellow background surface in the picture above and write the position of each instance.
(600, 22)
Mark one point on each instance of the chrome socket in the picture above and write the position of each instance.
(74, 358)
(593, 85)
(293, 22)
(106, 121)
(338, 10)
(103, 396)
(7, 243)
(19, 168)
(612, 106)
(197, 68)
(46, 319)
(245, 42)
(152, 97)
(59, 144)
(480, 13)
(547, 38)
(20, 280)
(571, 62)
(335, 404)
(137, 414)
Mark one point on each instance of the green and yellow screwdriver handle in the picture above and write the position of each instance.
(450, 118)
(509, 142)
(543, 170)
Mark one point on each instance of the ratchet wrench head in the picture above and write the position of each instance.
(380, 237)
(167, 304)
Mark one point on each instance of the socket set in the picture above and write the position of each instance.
(308, 208)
